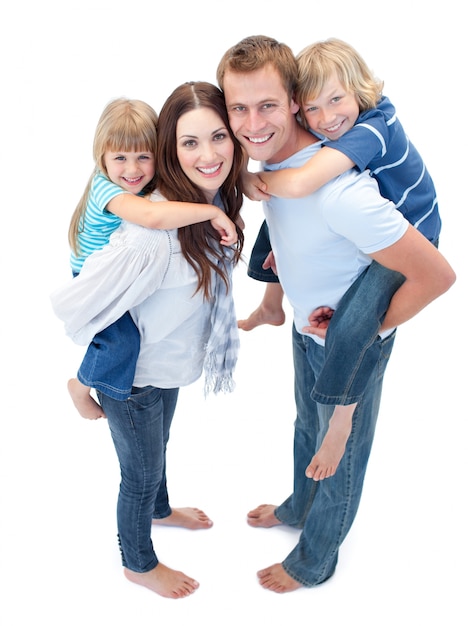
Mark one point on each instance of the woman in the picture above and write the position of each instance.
(177, 286)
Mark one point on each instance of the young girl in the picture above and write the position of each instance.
(124, 153)
(180, 284)
(342, 102)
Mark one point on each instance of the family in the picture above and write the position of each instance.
(350, 237)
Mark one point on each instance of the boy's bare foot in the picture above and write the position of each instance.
(262, 316)
(165, 581)
(276, 579)
(263, 516)
(324, 463)
(186, 517)
(84, 403)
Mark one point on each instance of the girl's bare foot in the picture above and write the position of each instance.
(324, 463)
(260, 316)
(84, 403)
(186, 517)
(263, 516)
(164, 581)
(276, 579)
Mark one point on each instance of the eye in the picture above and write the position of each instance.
(190, 143)
(120, 158)
(219, 136)
(145, 157)
(336, 99)
(311, 109)
(239, 109)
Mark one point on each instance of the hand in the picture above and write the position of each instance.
(319, 320)
(254, 187)
(270, 263)
(226, 229)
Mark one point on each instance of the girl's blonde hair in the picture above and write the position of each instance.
(124, 126)
(321, 60)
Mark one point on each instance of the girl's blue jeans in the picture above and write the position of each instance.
(140, 428)
(325, 510)
(109, 363)
(352, 331)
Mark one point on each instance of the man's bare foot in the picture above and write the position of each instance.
(84, 403)
(165, 581)
(186, 517)
(276, 579)
(325, 462)
(263, 516)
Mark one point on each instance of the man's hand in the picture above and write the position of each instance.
(270, 263)
(319, 320)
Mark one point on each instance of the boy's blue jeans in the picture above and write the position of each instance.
(325, 510)
(140, 428)
(352, 331)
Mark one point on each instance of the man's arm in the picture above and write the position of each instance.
(428, 275)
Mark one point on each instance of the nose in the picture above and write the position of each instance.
(254, 121)
(207, 152)
(327, 117)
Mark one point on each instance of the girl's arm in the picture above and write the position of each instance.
(297, 182)
(166, 215)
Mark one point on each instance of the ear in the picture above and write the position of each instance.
(294, 106)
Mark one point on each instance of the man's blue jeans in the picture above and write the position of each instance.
(140, 431)
(325, 510)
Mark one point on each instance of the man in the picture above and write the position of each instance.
(321, 245)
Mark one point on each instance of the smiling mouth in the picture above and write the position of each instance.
(259, 140)
(133, 181)
(209, 170)
(333, 129)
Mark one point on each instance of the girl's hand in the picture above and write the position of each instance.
(226, 229)
(319, 320)
(254, 187)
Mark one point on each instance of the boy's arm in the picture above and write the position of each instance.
(428, 276)
(301, 181)
(166, 215)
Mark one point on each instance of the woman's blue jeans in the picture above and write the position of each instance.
(140, 429)
(325, 510)
(353, 328)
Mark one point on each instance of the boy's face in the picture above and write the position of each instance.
(334, 112)
(261, 115)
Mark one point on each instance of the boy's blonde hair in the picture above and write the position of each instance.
(124, 126)
(319, 61)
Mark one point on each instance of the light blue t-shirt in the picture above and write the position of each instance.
(321, 242)
(98, 224)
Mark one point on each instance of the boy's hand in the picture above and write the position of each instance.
(226, 229)
(319, 320)
(270, 263)
(254, 187)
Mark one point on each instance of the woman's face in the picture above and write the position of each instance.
(205, 149)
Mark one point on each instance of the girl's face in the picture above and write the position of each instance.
(130, 170)
(205, 149)
(334, 112)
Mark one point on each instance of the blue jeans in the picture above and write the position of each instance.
(110, 361)
(140, 429)
(325, 510)
(353, 328)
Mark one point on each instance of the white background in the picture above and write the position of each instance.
(404, 561)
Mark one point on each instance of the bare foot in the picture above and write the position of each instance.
(276, 579)
(165, 581)
(325, 462)
(263, 516)
(84, 403)
(260, 316)
(186, 517)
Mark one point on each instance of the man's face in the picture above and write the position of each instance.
(261, 115)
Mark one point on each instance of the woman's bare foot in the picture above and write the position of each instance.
(263, 516)
(262, 315)
(324, 463)
(186, 517)
(84, 403)
(164, 581)
(276, 579)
